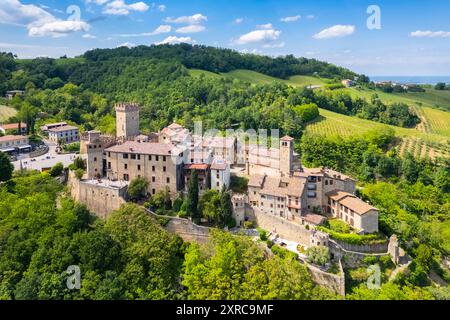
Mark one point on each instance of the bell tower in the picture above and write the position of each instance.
(286, 156)
(127, 120)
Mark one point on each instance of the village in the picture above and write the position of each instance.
(287, 202)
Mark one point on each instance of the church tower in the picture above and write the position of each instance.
(127, 120)
(286, 156)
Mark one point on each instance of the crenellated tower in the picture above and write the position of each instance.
(127, 120)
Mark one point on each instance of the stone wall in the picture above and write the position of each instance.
(333, 282)
(98, 199)
(284, 228)
(367, 248)
(350, 259)
(185, 228)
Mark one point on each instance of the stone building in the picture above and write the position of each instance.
(64, 134)
(93, 144)
(160, 163)
(220, 174)
(239, 202)
(127, 120)
(358, 214)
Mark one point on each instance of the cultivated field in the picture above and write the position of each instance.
(419, 143)
(6, 113)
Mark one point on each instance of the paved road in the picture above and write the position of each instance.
(45, 161)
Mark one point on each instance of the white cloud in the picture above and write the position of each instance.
(120, 8)
(238, 20)
(16, 13)
(274, 45)
(258, 36)
(430, 34)
(127, 44)
(191, 29)
(89, 36)
(265, 26)
(58, 28)
(174, 40)
(291, 19)
(194, 19)
(336, 31)
(99, 2)
(39, 22)
(160, 30)
(162, 8)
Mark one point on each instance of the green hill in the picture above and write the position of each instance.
(259, 78)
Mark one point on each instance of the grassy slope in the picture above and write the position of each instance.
(6, 113)
(259, 78)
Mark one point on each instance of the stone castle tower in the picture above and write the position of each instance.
(286, 156)
(127, 120)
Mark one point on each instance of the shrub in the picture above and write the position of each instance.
(79, 173)
(262, 234)
(248, 225)
(318, 255)
(138, 188)
(283, 253)
(339, 226)
(56, 170)
(352, 238)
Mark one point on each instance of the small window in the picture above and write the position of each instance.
(153, 168)
(153, 179)
(133, 156)
(164, 169)
(157, 158)
(149, 158)
(168, 180)
(139, 167)
(125, 155)
(164, 158)
(125, 166)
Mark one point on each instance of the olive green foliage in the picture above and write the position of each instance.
(6, 167)
(129, 257)
(56, 170)
(339, 226)
(234, 267)
(318, 255)
(137, 189)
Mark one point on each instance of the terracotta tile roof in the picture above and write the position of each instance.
(357, 205)
(219, 164)
(218, 142)
(13, 126)
(196, 166)
(256, 180)
(150, 148)
(287, 138)
(338, 195)
(175, 126)
(314, 218)
(11, 138)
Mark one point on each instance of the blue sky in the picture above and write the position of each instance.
(414, 38)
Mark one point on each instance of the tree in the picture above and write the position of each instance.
(79, 173)
(440, 86)
(27, 114)
(410, 168)
(318, 255)
(6, 167)
(192, 198)
(209, 205)
(56, 170)
(137, 189)
(226, 209)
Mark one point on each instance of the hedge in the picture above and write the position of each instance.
(352, 238)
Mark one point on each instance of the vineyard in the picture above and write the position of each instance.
(6, 113)
(422, 142)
